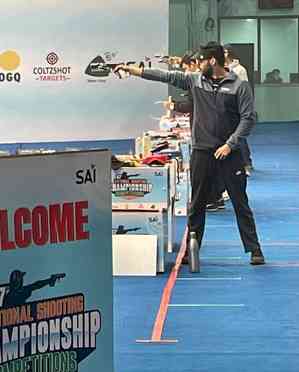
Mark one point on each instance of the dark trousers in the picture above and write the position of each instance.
(204, 166)
(245, 151)
(216, 188)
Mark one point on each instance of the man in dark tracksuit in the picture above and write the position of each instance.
(223, 115)
(189, 64)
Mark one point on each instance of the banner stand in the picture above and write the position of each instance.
(56, 299)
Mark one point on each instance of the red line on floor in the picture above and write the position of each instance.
(162, 313)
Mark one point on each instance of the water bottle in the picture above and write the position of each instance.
(193, 254)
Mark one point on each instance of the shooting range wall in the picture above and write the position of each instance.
(46, 47)
(243, 22)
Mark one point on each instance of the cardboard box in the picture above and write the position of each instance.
(143, 223)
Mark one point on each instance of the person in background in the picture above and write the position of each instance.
(273, 77)
(233, 64)
(187, 63)
(223, 115)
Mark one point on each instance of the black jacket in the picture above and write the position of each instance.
(185, 107)
(226, 115)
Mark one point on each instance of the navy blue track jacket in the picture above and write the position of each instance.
(225, 115)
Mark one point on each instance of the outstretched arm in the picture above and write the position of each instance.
(38, 284)
(132, 70)
(42, 283)
(176, 78)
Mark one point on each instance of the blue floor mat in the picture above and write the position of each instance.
(231, 316)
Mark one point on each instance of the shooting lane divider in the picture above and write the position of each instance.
(165, 300)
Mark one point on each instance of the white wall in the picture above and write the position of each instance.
(34, 110)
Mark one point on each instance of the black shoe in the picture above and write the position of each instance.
(257, 257)
(220, 203)
(212, 207)
(215, 206)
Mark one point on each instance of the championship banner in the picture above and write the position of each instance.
(56, 309)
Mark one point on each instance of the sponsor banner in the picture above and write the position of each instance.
(62, 62)
(141, 187)
(53, 70)
(101, 67)
(56, 265)
(10, 63)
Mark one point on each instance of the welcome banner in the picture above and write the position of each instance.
(56, 311)
(56, 62)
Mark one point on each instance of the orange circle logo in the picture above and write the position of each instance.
(9, 60)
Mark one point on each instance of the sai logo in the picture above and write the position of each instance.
(88, 175)
(9, 62)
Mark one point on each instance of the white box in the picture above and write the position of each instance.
(134, 255)
(144, 223)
